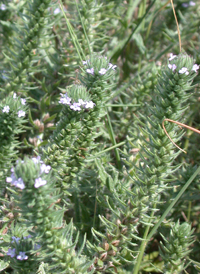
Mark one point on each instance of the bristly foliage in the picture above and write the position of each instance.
(52, 239)
(150, 177)
(13, 110)
(176, 248)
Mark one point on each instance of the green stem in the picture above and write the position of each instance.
(83, 28)
(143, 245)
(109, 148)
(112, 137)
(116, 54)
(189, 210)
(73, 35)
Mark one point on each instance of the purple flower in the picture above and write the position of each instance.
(172, 56)
(37, 160)
(6, 109)
(27, 237)
(195, 67)
(90, 71)
(191, 3)
(44, 168)
(76, 106)
(39, 182)
(3, 7)
(22, 256)
(102, 71)
(36, 246)
(19, 183)
(172, 67)
(111, 66)
(184, 70)
(65, 100)
(81, 102)
(185, 5)
(15, 239)
(85, 62)
(11, 252)
(14, 95)
(15, 182)
(23, 101)
(89, 104)
(21, 113)
(11, 179)
(56, 11)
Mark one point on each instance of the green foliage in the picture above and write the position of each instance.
(88, 175)
(176, 248)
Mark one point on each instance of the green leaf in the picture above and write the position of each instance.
(3, 265)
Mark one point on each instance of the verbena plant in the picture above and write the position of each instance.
(91, 96)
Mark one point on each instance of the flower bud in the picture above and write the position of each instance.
(105, 246)
(115, 242)
(103, 256)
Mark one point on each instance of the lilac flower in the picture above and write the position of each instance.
(3, 7)
(19, 183)
(191, 3)
(39, 182)
(111, 66)
(23, 101)
(76, 106)
(56, 11)
(102, 71)
(8, 180)
(11, 252)
(185, 5)
(90, 71)
(16, 182)
(114, 67)
(172, 67)
(15, 239)
(27, 237)
(22, 256)
(44, 168)
(85, 62)
(89, 104)
(11, 179)
(21, 113)
(36, 246)
(65, 100)
(81, 102)
(6, 109)
(14, 95)
(37, 160)
(172, 56)
(184, 70)
(195, 67)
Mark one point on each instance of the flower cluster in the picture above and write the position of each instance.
(12, 252)
(76, 106)
(21, 256)
(19, 183)
(186, 5)
(102, 71)
(20, 113)
(3, 7)
(183, 70)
